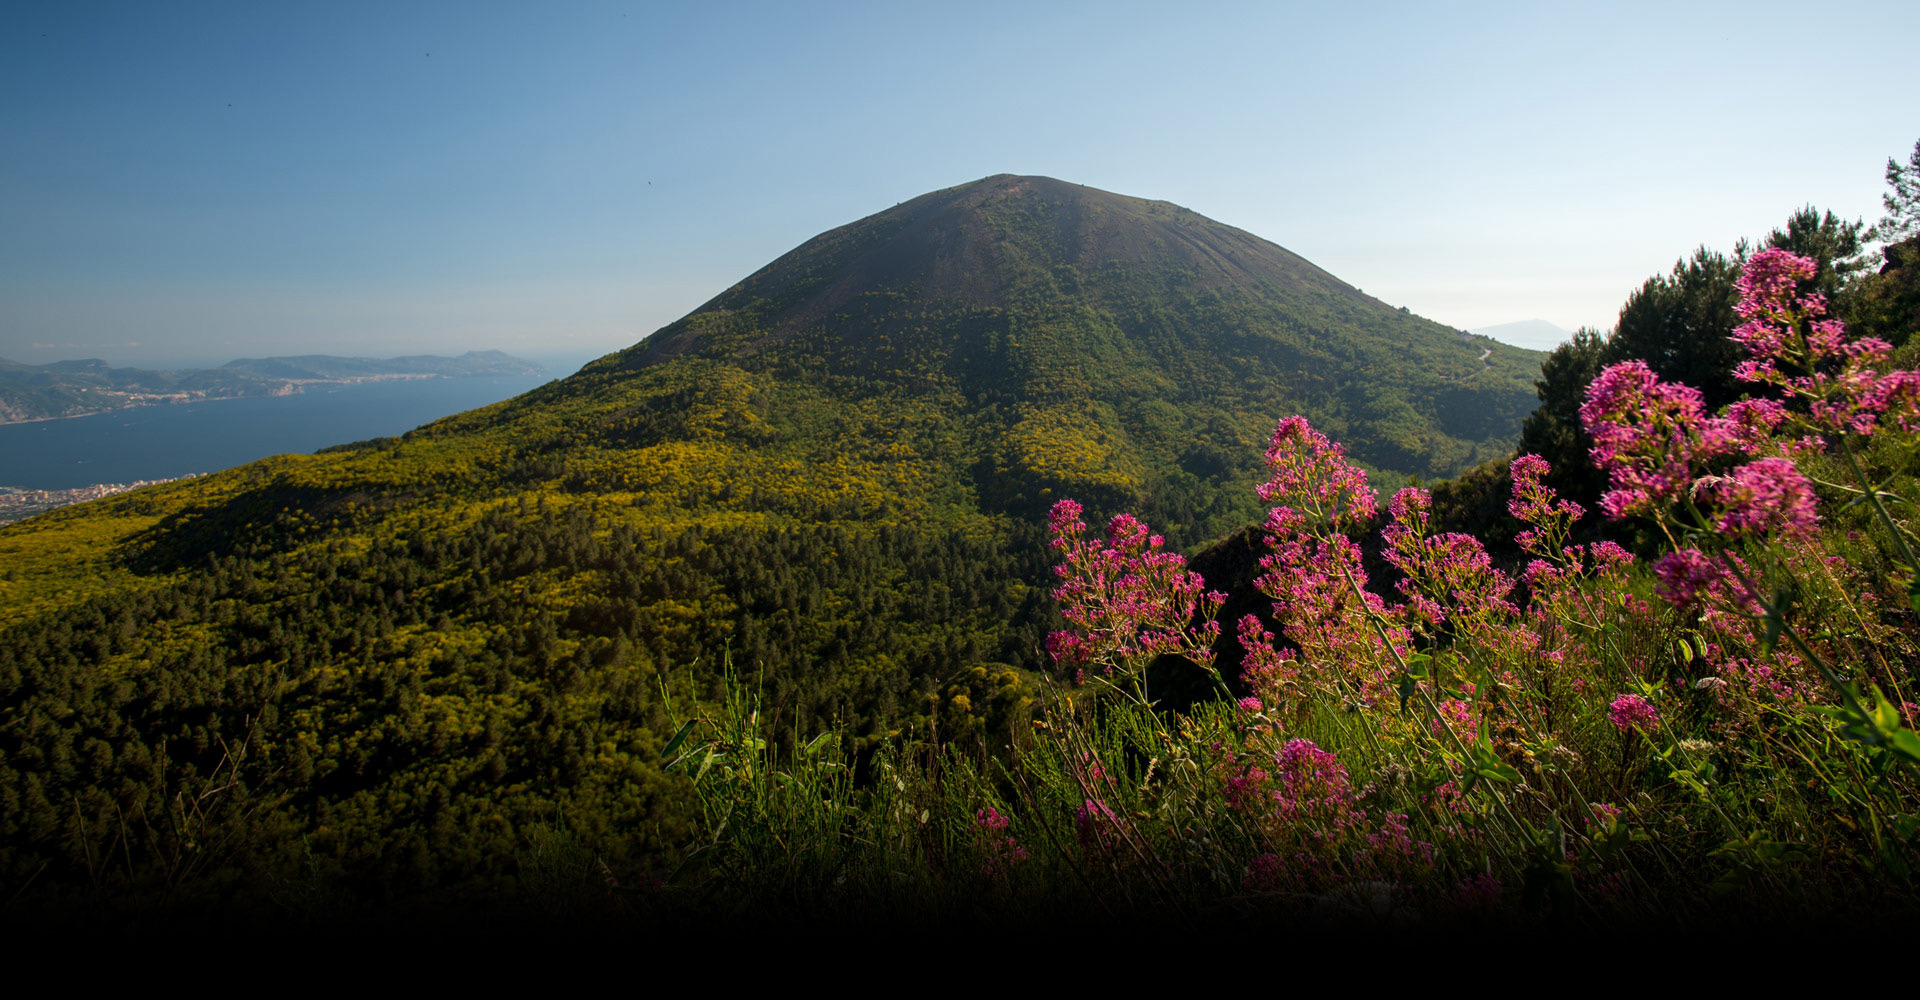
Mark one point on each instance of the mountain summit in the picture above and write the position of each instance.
(997, 243)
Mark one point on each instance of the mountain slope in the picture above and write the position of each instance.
(1030, 292)
(419, 654)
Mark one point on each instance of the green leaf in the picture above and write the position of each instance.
(678, 738)
(1502, 772)
(1906, 743)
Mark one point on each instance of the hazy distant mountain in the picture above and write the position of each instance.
(328, 368)
(78, 388)
(1535, 334)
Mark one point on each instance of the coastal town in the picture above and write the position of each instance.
(18, 502)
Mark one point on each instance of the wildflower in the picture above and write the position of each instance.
(1648, 435)
(1534, 501)
(1447, 576)
(1608, 556)
(1004, 851)
(1265, 871)
(1320, 601)
(1756, 419)
(1767, 286)
(1792, 345)
(1250, 705)
(1452, 711)
(1764, 497)
(1682, 577)
(1128, 599)
(1268, 670)
(1631, 711)
(1312, 474)
(1092, 819)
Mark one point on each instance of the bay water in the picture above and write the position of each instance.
(161, 442)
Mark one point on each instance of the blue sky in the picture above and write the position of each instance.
(190, 183)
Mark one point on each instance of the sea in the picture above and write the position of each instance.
(162, 442)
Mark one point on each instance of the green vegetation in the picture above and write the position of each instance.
(401, 669)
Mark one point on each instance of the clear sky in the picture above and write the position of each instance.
(185, 183)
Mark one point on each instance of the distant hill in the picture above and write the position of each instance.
(1535, 334)
(832, 480)
(78, 388)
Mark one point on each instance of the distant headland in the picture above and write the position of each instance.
(80, 388)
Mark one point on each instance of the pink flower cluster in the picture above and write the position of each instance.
(1094, 822)
(1631, 711)
(1770, 496)
(1129, 599)
(1322, 606)
(1313, 571)
(1447, 576)
(1682, 577)
(1307, 812)
(1272, 672)
(1652, 437)
(1793, 344)
(1649, 436)
(1548, 517)
(1311, 474)
(1003, 850)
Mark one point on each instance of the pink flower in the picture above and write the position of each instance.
(1312, 475)
(1648, 436)
(1630, 711)
(1767, 287)
(1128, 599)
(1764, 497)
(1004, 851)
(1792, 346)
(1250, 705)
(1268, 670)
(1454, 712)
(1681, 578)
(1756, 419)
(1448, 576)
(1092, 820)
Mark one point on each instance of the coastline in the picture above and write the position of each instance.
(286, 387)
